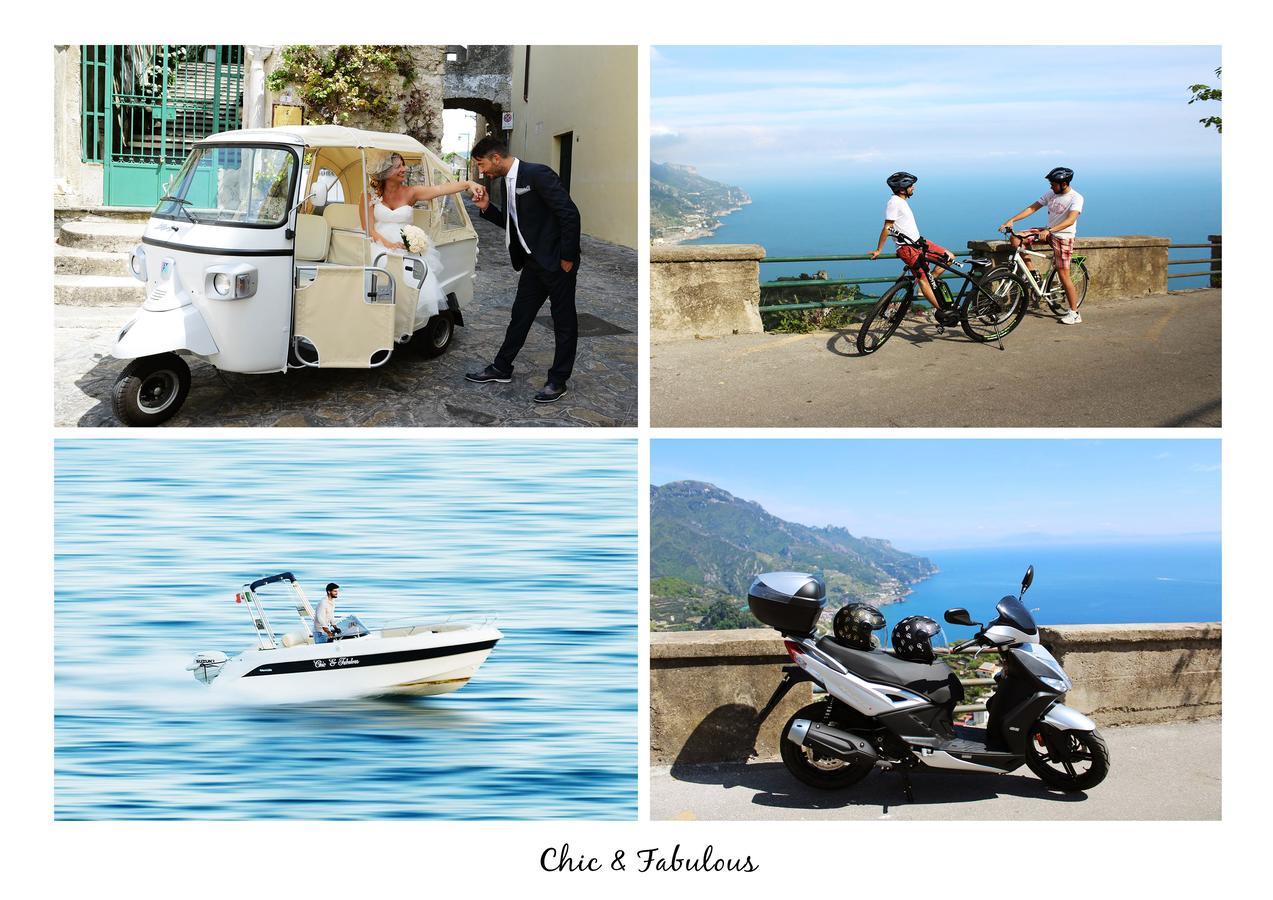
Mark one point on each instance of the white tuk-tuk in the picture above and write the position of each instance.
(256, 259)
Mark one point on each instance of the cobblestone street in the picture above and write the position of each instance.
(408, 390)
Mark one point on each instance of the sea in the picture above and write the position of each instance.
(153, 539)
(1098, 584)
(804, 217)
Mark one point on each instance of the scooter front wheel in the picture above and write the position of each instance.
(824, 772)
(150, 390)
(1068, 760)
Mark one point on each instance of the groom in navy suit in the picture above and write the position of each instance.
(541, 230)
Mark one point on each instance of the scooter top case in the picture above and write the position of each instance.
(788, 601)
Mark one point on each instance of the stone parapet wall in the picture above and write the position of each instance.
(1132, 674)
(1118, 267)
(704, 290)
(707, 687)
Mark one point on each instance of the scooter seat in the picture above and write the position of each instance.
(934, 680)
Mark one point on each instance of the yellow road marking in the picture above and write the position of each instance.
(773, 345)
(1156, 330)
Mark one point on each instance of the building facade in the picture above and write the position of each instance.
(575, 109)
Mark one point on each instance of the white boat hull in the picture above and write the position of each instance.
(417, 661)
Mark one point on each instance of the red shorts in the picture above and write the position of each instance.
(910, 255)
(1062, 248)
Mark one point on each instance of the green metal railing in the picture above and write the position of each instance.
(143, 107)
(1212, 262)
(862, 299)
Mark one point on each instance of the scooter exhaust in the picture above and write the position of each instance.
(831, 741)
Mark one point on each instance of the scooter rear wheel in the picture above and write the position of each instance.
(1068, 760)
(825, 773)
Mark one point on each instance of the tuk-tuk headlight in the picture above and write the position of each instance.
(230, 282)
(137, 263)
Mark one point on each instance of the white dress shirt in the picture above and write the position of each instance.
(325, 614)
(510, 194)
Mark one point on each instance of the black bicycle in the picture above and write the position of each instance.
(990, 303)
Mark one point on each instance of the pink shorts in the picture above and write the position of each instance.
(1062, 248)
(910, 255)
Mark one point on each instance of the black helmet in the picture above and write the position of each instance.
(913, 639)
(854, 623)
(1060, 173)
(899, 181)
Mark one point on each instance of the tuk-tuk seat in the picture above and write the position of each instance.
(349, 245)
(313, 235)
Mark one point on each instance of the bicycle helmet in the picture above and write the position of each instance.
(854, 623)
(1060, 173)
(913, 639)
(900, 181)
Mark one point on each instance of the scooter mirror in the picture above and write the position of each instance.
(1028, 580)
(959, 616)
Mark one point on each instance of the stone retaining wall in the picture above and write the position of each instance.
(1118, 267)
(704, 290)
(706, 687)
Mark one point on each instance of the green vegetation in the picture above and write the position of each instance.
(348, 83)
(707, 545)
(802, 321)
(1203, 93)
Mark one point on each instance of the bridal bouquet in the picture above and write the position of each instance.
(415, 239)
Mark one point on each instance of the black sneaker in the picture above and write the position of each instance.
(490, 373)
(550, 393)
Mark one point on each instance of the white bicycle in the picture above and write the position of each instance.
(1049, 288)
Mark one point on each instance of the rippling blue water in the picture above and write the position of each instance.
(154, 537)
(1177, 581)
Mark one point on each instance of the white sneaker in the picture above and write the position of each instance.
(1071, 318)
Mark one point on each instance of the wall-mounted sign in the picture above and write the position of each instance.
(507, 123)
(285, 114)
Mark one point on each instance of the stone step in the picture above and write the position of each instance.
(118, 237)
(77, 261)
(97, 290)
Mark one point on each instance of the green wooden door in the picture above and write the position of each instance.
(145, 105)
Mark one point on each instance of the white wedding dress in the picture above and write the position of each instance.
(389, 223)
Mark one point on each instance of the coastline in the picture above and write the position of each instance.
(702, 231)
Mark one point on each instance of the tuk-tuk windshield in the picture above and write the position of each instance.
(232, 185)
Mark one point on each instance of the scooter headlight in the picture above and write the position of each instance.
(1060, 684)
(137, 263)
(221, 283)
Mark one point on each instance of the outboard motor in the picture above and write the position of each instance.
(207, 665)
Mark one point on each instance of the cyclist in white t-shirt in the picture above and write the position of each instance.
(899, 220)
(1064, 205)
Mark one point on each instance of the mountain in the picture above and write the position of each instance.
(707, 545)
(684, 204)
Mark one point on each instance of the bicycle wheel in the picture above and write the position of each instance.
(884, 317)
(1054, 291)
(996, 307)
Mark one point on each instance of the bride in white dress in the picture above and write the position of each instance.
(391, 202)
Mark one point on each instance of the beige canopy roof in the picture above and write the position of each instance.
(322, 136)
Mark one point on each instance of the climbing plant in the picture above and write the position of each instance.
(348, 84)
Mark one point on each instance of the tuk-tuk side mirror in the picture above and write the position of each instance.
(318, 194)
(1027, 580)
(959, 616)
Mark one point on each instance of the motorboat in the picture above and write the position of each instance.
(418, 659)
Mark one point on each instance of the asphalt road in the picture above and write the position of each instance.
(1167, 771)
(1147, 362)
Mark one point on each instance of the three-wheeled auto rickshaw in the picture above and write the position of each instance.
(257, 260)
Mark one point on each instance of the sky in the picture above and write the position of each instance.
(990, 492)
(791, 112)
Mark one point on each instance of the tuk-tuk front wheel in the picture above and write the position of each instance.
(436, 335)
(150, 390)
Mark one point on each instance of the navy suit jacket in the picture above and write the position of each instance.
(546, 216)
